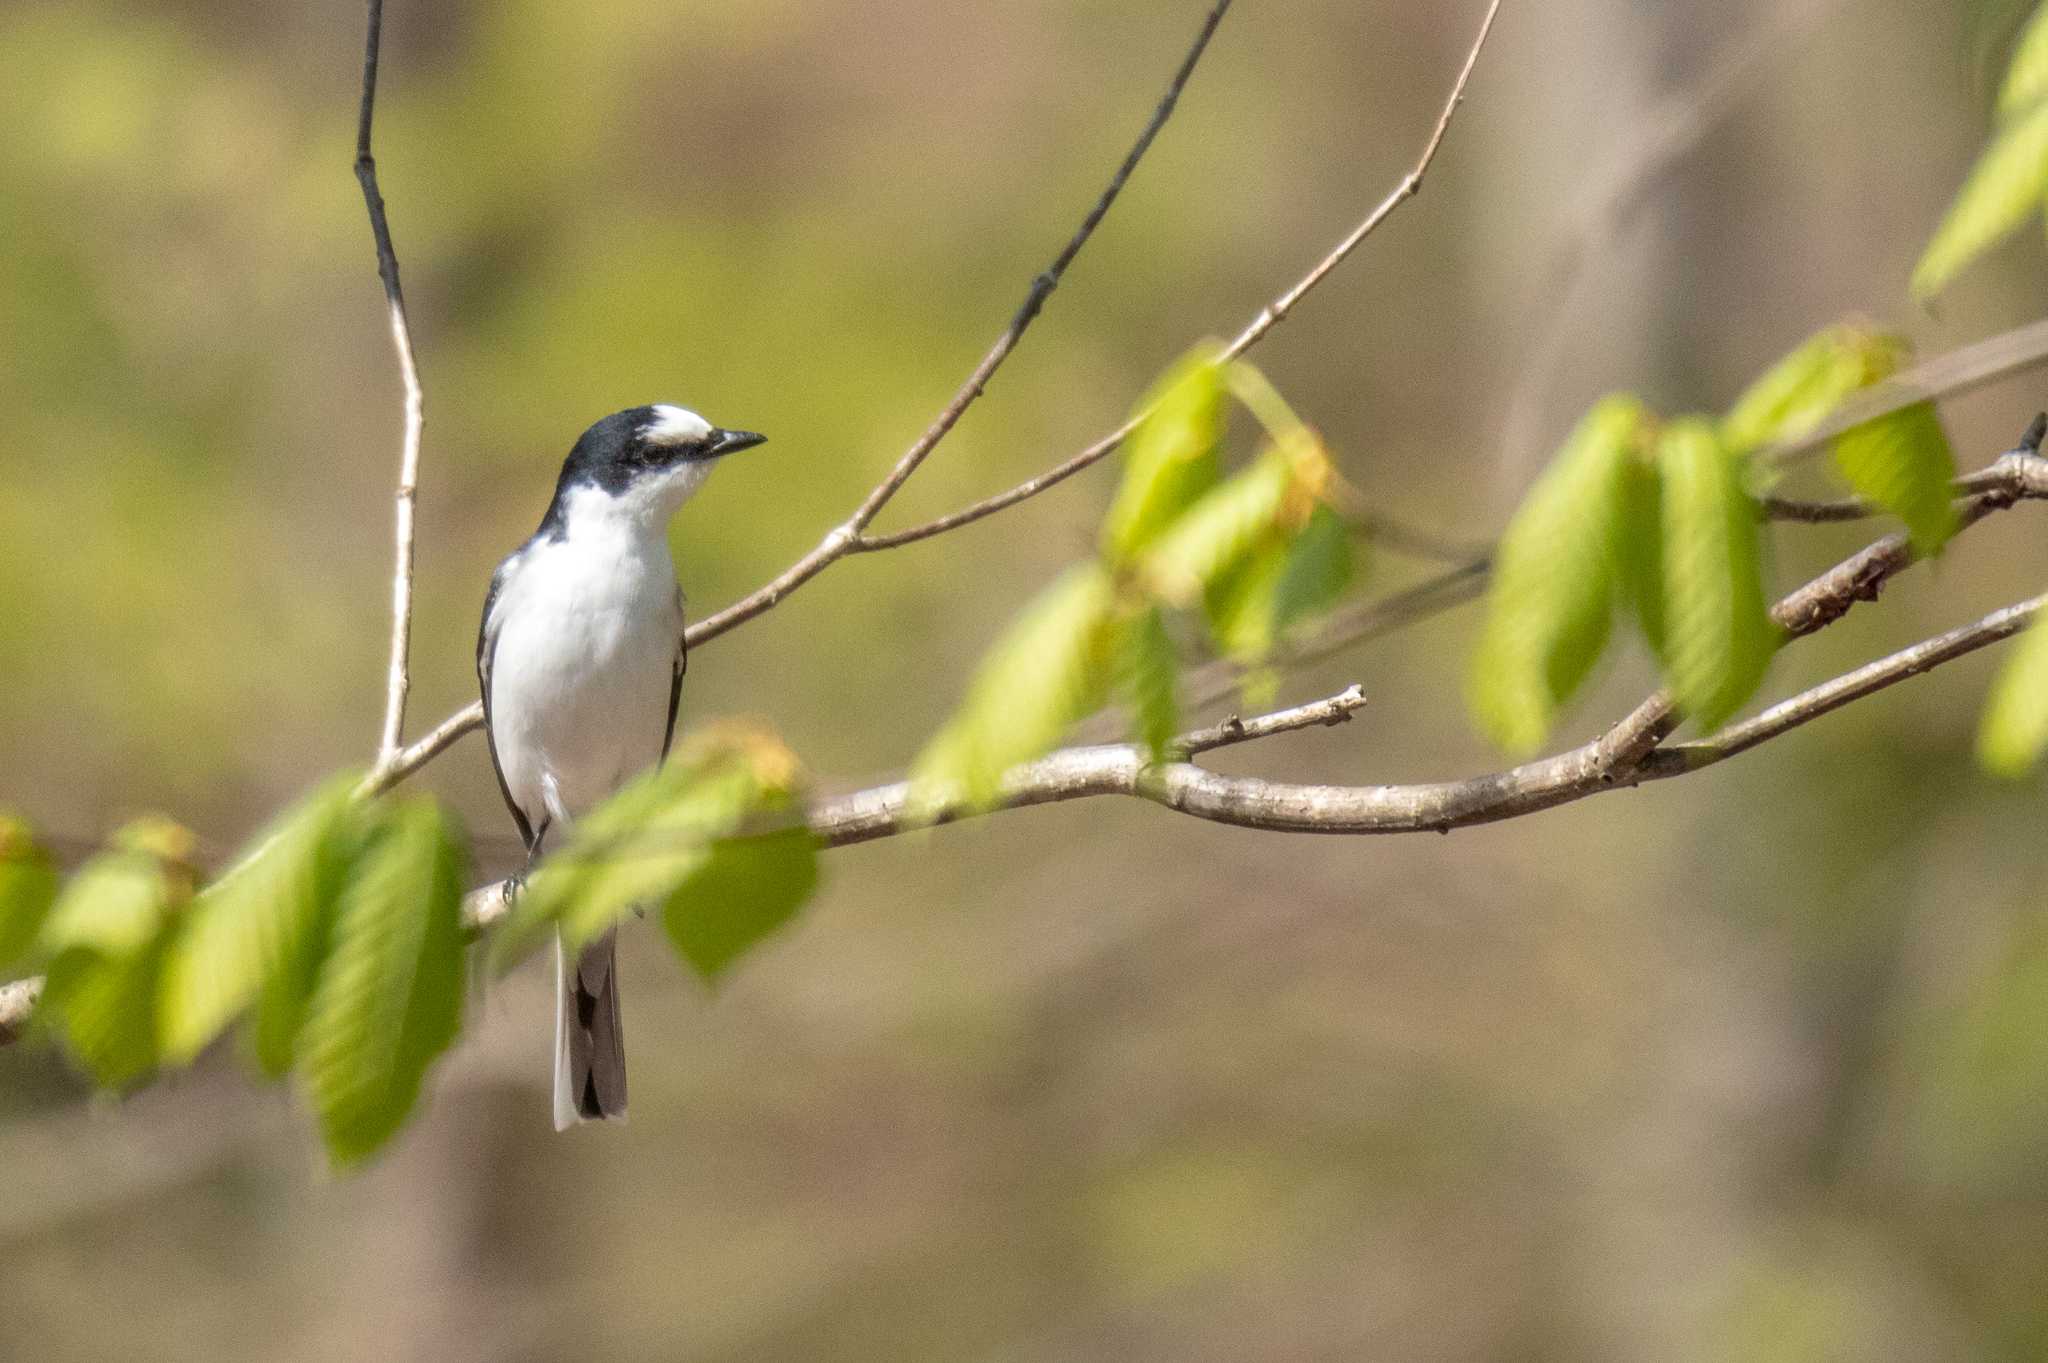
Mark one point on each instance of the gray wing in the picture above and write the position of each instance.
(486, 649)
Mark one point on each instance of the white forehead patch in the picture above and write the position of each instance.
(675, 426)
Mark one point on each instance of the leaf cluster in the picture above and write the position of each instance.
(1659, 521)
(1248, 554)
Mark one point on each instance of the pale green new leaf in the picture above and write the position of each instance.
(633, 851)
(1242, 604)
(1218, 532)
(1718, 633)
(1049, 669)
(1639, 549)
(1551, 602)
(1797, 393)
(265, 920)
(1170, 459)
(742, 890)
(1148, 678)
(1903, 463)
(104, 938)
(389, 998)
(2026, 81)
(1320, 565)
(28, 887)
(2003, 191)
(2014, 730)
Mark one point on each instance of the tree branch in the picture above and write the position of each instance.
(845, 538)
(1269, 317)
(398, 679)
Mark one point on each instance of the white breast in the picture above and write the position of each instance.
(588, 628)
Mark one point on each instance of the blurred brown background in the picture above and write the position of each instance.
(1751, 1066)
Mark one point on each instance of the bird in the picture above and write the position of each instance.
(580, 657)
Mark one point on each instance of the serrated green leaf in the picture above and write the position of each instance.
(1903, 463)
(28, 887)
(1049, 669)
(1718, 632)
(266, 918)
(2014, 730)
(1170, 459)
(104, 938)
(742, 890)
(2003, 191)
(1551, 601)
(1148, 679)
(1796, 394)
(1221, 530)
(389, 999)
(2026, 80)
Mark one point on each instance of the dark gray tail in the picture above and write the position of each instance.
(590, 1047)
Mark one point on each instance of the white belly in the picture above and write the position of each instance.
(581, 673)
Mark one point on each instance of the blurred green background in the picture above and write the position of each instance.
(1751, 1066)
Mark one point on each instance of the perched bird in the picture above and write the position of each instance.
(581, 658)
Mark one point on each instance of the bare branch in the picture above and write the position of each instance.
(398, 680)
(845, 538)
(1269, 317)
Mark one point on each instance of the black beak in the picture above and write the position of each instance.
(722, 442)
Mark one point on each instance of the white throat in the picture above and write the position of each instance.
(644, 507)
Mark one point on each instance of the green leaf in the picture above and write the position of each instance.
(1241, 605)
(2026, 81)
(2003, 191)
(1639, 549)
(1221, 530)
(389, 998)
(1170, 459)
(1320, 564)
(104, 938)
(1718, 633)
(741, 890)
(1048, 670)
(1800, 391)
(28, 887)
(266, 918)
(1551, 602)
(1904, 464)
(1148, 679)
(2015, 726)
(634, 850)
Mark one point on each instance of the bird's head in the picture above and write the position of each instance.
(649, 460)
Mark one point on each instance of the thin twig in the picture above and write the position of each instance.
(845, 538)
(1337, 709)
(1269, 317)
(398, 680)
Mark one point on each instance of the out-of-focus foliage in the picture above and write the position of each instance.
(679, 838)
(1256, 552)
(2010, 180)
(28, 887)
(104, 941)
(2014, 731)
